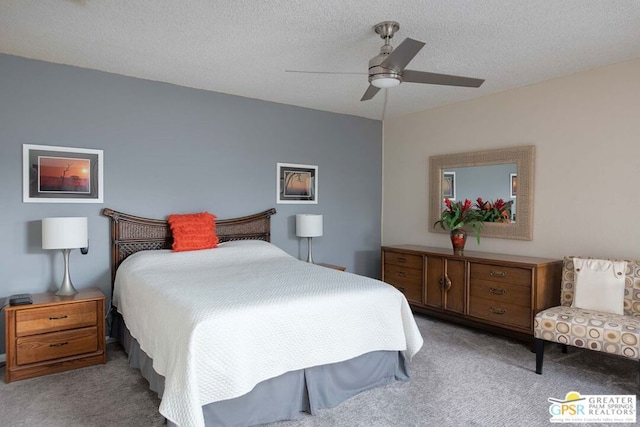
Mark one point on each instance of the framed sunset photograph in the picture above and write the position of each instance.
(296, 183)
(61, 174)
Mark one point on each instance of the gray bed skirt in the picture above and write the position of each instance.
(287, 396)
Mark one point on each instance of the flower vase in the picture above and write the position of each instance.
(458, 239)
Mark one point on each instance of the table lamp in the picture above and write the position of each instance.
(66, 234)
(309, 225)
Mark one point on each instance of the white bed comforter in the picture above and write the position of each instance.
(217, 322)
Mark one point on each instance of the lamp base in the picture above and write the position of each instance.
(66, 288)
(66, 291)
(309, 256)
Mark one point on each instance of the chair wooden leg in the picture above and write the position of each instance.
(539, 354)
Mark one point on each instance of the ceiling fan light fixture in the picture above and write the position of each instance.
(385, 82)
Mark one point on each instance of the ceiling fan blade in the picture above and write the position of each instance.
(370, 93)
(323, 72)
(412, 76)
(402, 55)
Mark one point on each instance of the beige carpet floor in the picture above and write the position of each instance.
(461, 377)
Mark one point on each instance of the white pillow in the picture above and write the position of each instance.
(599, 285)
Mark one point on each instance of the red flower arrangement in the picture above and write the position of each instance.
(459, 215)
(498, 211)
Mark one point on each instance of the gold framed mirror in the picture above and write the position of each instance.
(521, 225)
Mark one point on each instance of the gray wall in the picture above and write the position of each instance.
(170, 149)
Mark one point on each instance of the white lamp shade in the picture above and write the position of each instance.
(308, 225)
(65, 233)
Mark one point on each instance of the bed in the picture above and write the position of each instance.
(246, 334)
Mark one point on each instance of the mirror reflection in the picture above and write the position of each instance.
(490, 183)
(503, 173)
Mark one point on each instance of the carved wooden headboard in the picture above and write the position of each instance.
(130, 234)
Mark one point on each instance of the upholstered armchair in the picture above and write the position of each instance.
(614, 330)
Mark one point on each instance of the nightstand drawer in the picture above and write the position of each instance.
(56, 318)
(56, 345)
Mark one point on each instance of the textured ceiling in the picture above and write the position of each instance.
(243, 47)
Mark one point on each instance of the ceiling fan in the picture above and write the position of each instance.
(387, 69)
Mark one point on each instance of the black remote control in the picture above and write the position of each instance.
(20, 299)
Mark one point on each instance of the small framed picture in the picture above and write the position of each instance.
(296, 183)
(61, 174)
(449, 185)
(514, 184)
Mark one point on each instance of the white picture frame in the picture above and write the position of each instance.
(52, 174)
(449, 185)
(296, 183)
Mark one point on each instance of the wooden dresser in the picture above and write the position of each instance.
(495, 292)
(55, 334)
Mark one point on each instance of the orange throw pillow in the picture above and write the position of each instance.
(192, 232)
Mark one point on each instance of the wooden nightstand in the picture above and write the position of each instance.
(55, 334)
(335, 267)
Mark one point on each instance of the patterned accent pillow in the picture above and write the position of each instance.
(192, 232)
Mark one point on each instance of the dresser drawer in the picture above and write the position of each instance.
(55, 345)
(56, 318)
(407, 280)
(501, 293)
(411, 261)
(500, 312)
(500, 274)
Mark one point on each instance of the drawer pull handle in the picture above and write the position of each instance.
(400, 274)
(495, 310)
(58, 318)
(401, 259)
(59, 344)
(498, 273)
(498, 291)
